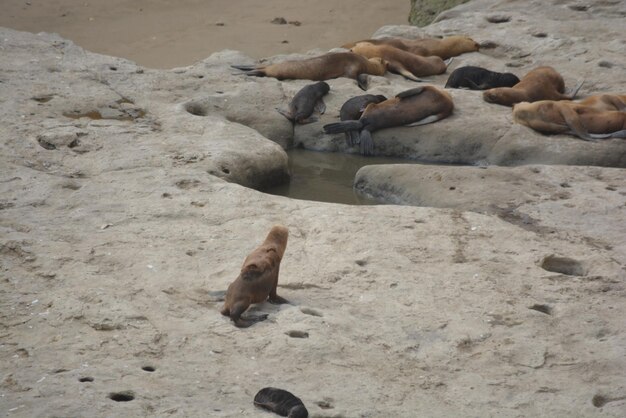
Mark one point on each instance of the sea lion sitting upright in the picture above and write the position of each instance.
(478, 78)
(258, 278)
(305, 102)
(402, 62)
(606, 102)
(541, 83)
(324, 67)
(282, 402)
(558, 117)
(353, 108)
(418, 106)
(443, 48)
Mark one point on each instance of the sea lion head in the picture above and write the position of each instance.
(509, 79)
(491, 95)
(522, 111)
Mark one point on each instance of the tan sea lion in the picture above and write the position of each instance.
(324, 67)
(559, 117)
(606, 102)
(402, 62)
(305, 102)
(258, 278)
(418, 106)
(541, 83)
(445, 48)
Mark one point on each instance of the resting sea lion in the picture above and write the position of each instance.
(541, 83)
(258, 278)
(281, 402)
(307, 100)
(352, 110)
(402, 62)
(558, 117)
(414, 107)
(477, 78)
(324, 67)
(443, 48)
(606, 102)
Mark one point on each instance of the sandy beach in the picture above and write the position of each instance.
(167, 34)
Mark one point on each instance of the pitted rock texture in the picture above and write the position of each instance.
(116, 233)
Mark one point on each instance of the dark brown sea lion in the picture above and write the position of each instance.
(258, 278)
(541, 83)
(559, 117)
(324, 67)
(445, 48)
(418, 106)
(305, 102)
(402, 62)
(477, 78)
(281, 402)
(353, 108)
(606, 102)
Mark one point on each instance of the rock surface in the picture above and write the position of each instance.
(123, 207)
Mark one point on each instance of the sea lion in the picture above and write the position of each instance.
(281, 402)
(418, 106)
(258, 278)
(402, 62)
(606, 102)
(305, 102)
(541, 83)
(558, 117)
(353, 108)
(477, 78)
(324, 67)
(445, 48)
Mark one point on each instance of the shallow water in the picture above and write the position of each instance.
(327, 176)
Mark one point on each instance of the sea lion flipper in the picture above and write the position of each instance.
(398, 68)
(410, 92)
(320, 106)
(285, 113)
(366, 142)
(277, 300)
(244, 67)
(616, 134)
(473, 86)
(250, 320)
(362, 81)
(573, 122)
(572, 94)
(427, 119)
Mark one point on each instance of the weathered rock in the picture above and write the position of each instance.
(108, 256)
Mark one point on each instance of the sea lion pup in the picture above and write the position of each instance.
(409, 65)
(541, 83)
(258, 278)
(478, 78)
(324, 67)
(353, 108)
(559, 117)
(606, 102)
(305, 102)
(418, 106)
(445, 48)
(281, 402)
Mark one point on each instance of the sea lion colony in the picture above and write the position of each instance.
(415, 58)
(539, 101)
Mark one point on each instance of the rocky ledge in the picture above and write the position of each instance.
(126, 199)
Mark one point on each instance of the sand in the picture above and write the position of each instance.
(167, 34)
